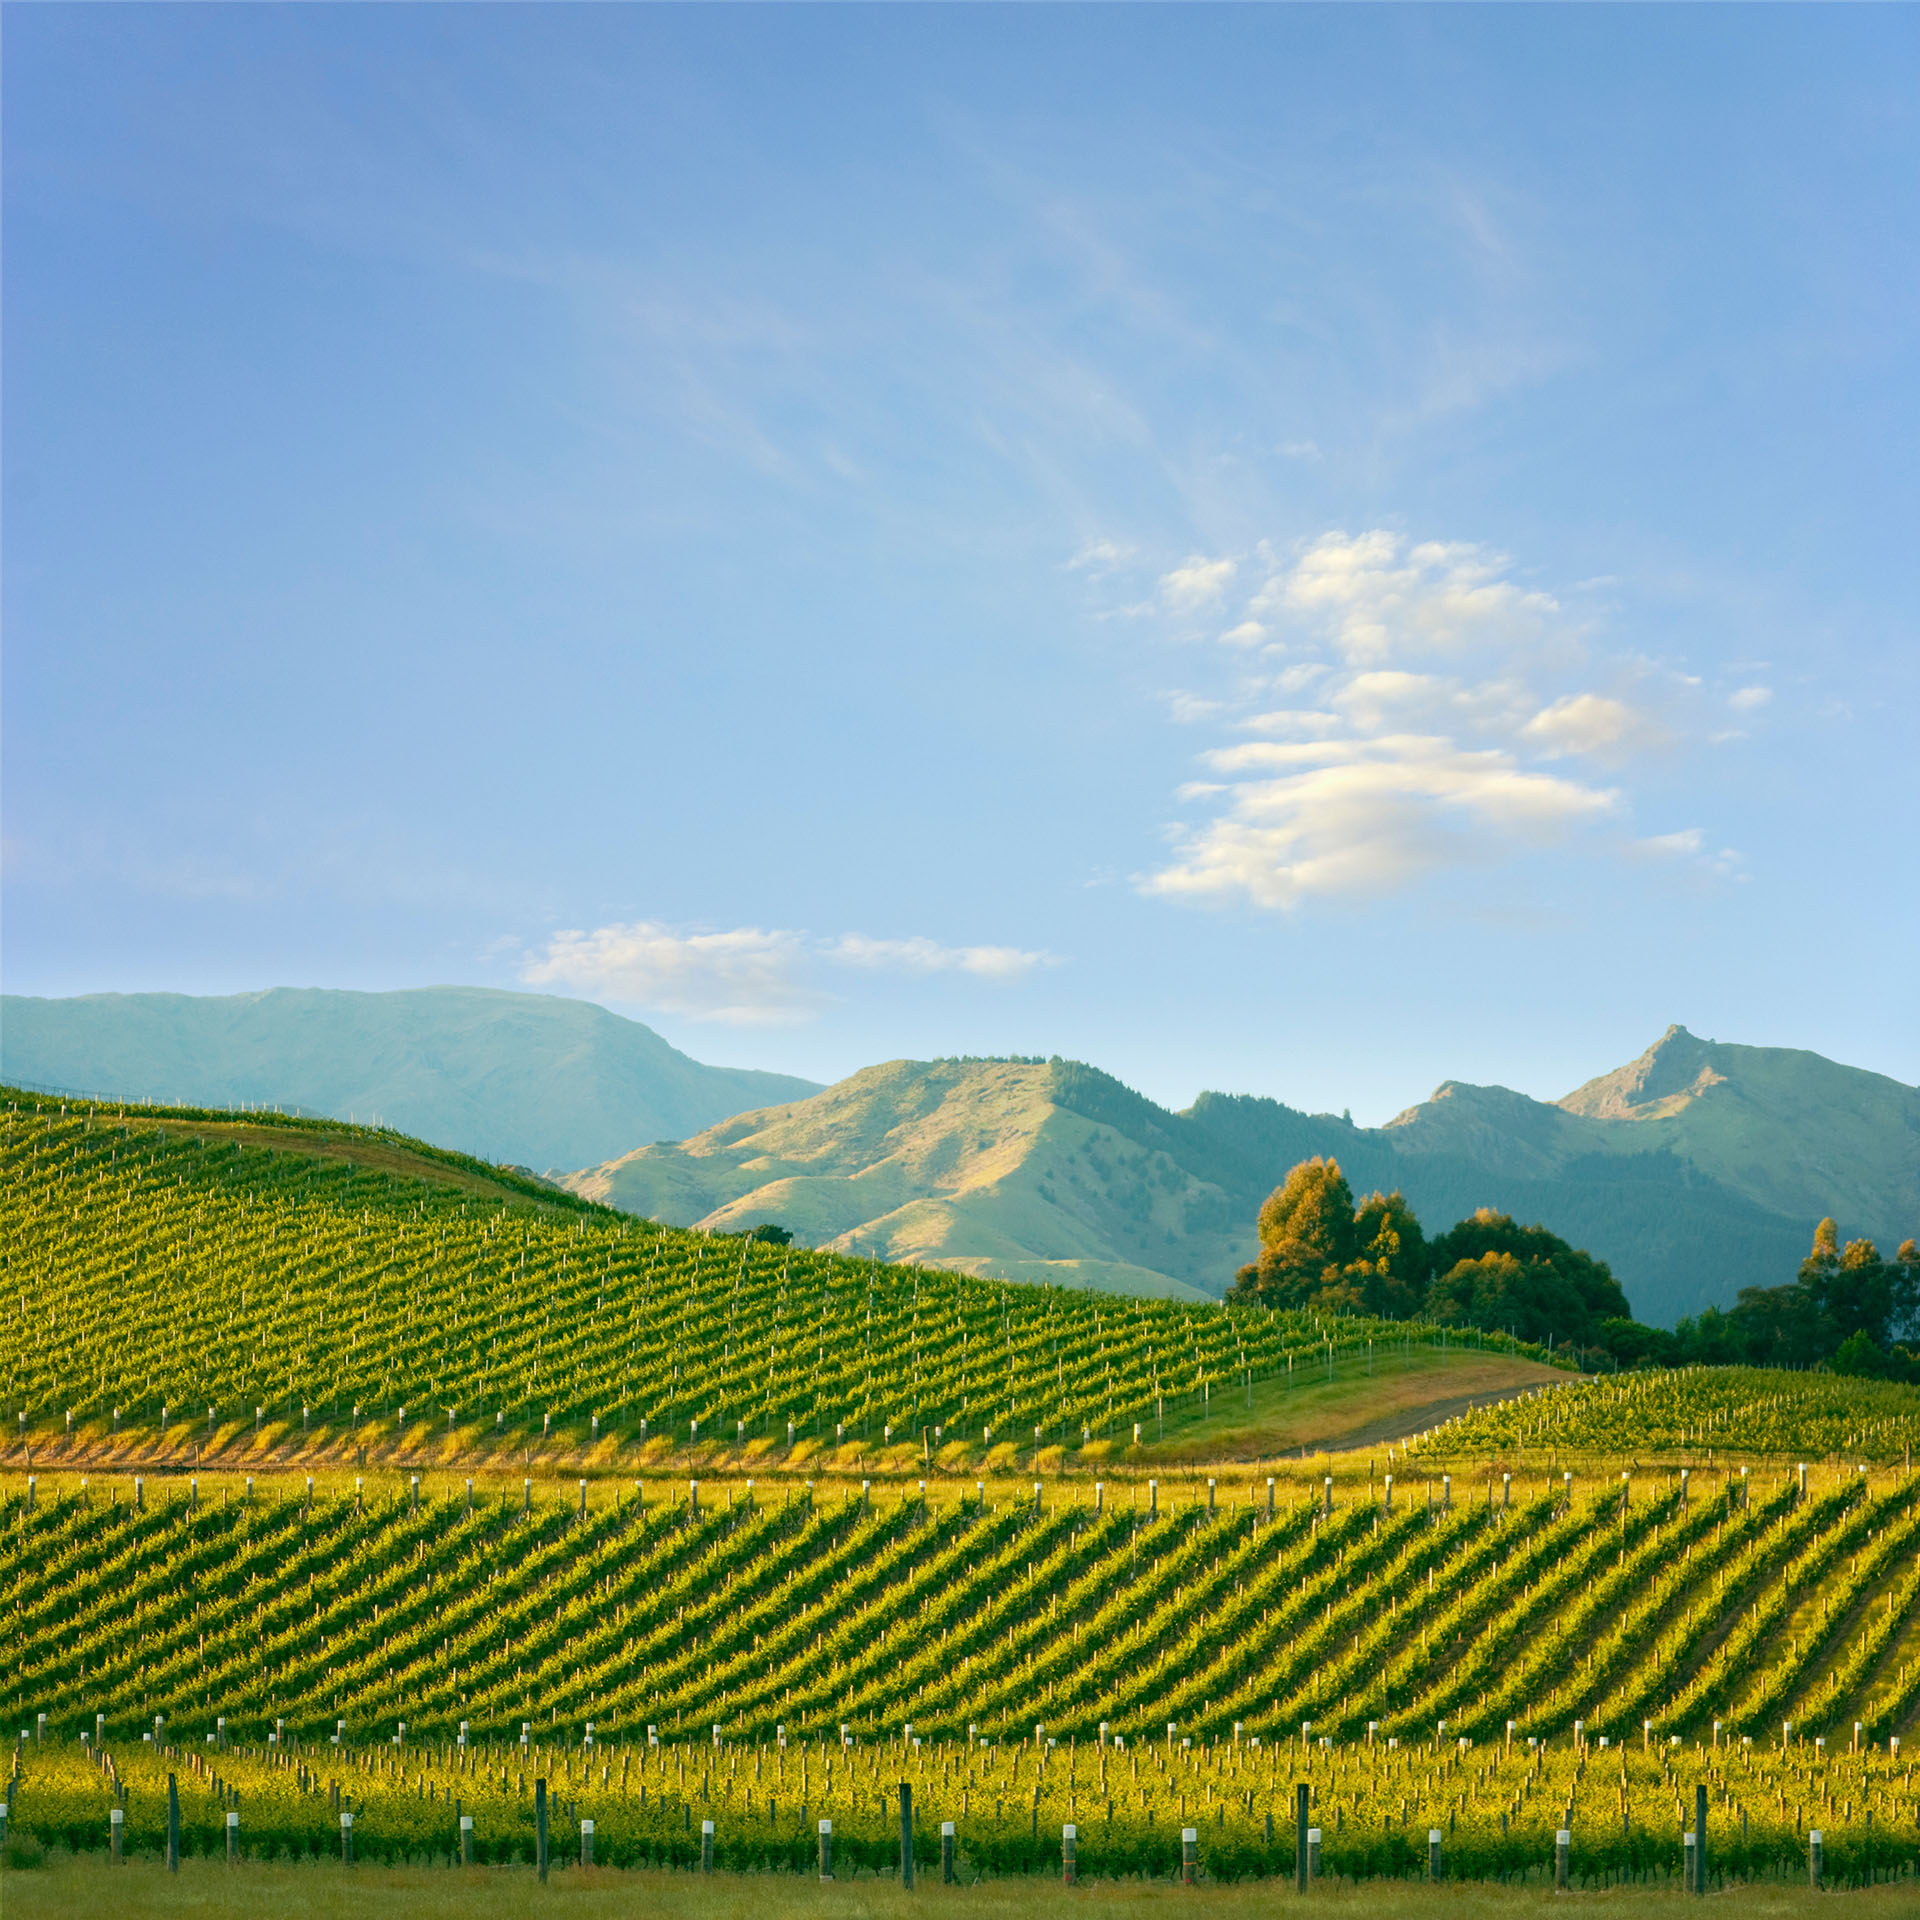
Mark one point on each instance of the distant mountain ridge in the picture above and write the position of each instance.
(514, 1077)
(1696, 1170)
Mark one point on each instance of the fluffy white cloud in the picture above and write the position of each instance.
(1362, 817)
(1377, 598)
(1198, 584)
(1426, 694)
(745, 976)
(1750, 699)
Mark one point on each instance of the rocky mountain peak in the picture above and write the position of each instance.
(1677, 1069)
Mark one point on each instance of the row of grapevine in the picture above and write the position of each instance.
(205, 1284)
(1495, 1808)
(1683, 1606)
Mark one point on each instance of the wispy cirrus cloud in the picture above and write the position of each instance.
(746, 976)
(1422, 706)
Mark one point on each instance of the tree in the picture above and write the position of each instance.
(1854, 1288)
(1312, 1209)
(1317, 1249)
(1780, 1326)
(1492, 1272)
(1389, 1271)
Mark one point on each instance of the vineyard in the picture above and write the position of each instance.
(1699, 1411)
(1146, 1806)
(1684, 1603)
(194, 1282)
(1565, 1611)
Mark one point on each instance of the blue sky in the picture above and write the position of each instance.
(1299, 551)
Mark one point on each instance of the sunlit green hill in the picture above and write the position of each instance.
(198, 1279)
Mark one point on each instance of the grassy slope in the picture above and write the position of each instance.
(1355, 1410)
(968, 1164)
(378, 1150)
(1403, 1395)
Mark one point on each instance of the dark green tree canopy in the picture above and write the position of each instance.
(1492, 1272)
(1847, 1306)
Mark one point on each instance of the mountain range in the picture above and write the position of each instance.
(1700, 1168)
(1697, 1169)
(520, 1077)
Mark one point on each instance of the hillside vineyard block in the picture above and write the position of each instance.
(293, 1294)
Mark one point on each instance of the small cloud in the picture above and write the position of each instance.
(1690, 845)
(1186, 708)
(1249, 633)
(1292, 720)
(1590, 723)
(1198, 584)
(745, 976)
(1750, 699)
(1294, 679)
(1672, 846)
(1301, 450)
(742, 977)
(1100, 556)
(918, 955)
(1379, 599)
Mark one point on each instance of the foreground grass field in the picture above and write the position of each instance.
(320, 1892)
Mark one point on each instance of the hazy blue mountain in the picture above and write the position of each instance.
(519, 1077)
